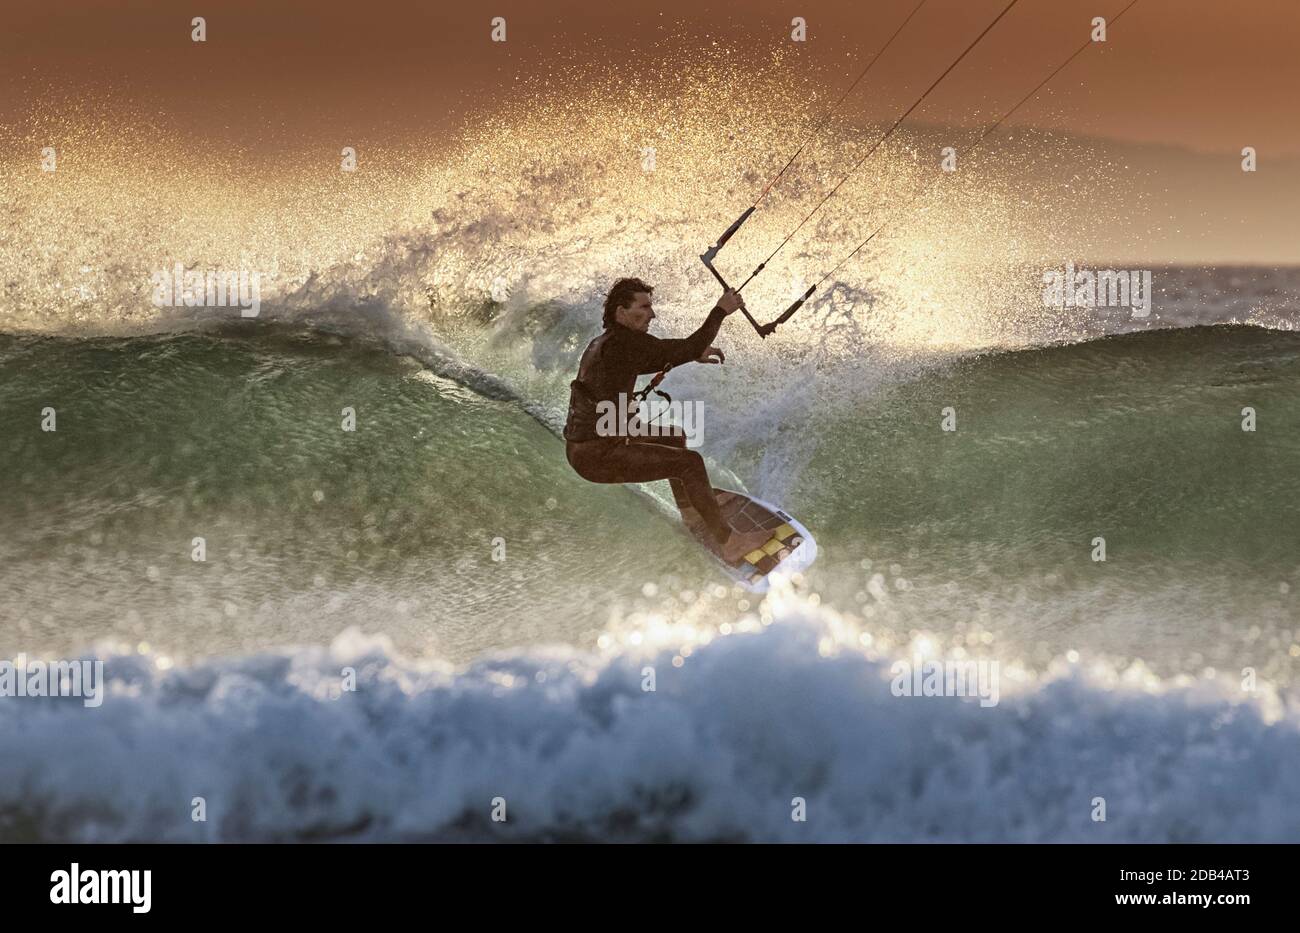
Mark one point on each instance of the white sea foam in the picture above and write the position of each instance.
(745, 723)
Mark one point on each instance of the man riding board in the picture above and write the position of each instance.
(607, 374)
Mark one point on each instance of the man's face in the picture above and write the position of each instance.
(638, 315)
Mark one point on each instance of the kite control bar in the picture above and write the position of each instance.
(787, 314)
(711, 253)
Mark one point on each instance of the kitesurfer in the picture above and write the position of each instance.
(608, 370)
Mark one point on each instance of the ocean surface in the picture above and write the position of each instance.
(409, 614)
(500, 612)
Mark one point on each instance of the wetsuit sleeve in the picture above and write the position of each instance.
(644, 353)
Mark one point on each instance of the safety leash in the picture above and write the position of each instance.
(653, 386)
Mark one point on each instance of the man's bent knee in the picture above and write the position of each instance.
(667, 440)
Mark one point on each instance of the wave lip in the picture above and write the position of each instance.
(579, 751)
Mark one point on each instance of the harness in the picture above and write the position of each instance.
(653, 386)
(578, 388)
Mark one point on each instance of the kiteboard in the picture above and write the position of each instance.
(791, 549)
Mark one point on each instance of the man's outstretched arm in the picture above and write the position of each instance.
(651, 354)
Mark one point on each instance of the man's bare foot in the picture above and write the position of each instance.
(741, 543)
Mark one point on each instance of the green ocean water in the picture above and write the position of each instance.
(451, 523)
(307, 527)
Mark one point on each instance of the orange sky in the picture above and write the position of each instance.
(1207, 74)
(1181, 87)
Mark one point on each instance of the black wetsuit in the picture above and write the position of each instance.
(608, 369)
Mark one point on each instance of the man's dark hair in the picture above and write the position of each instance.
(622, 295)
